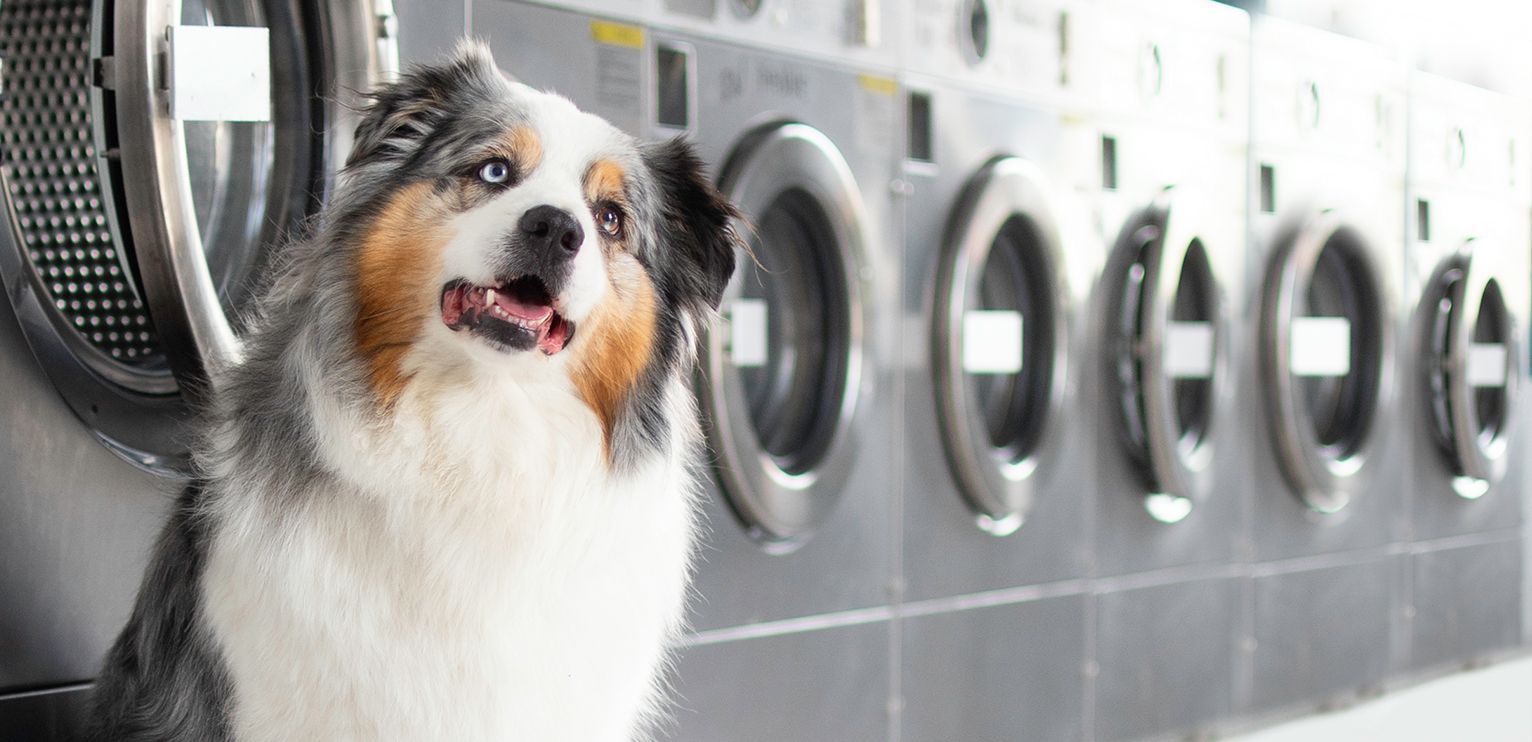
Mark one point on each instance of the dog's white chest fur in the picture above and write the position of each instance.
(522, 591)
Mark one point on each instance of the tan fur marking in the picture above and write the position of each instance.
(604, 181)
(618, 338)
(396, 265)
(523, 148)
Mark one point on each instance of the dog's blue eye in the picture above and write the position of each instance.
(495, 171)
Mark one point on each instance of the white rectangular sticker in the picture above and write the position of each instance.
(1321, 346)
(1486, 364)
(747, 333)
(1189, 350)
(219, 73)
(992, 342)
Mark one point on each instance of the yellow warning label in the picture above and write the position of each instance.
(617, 34)
(879, 85)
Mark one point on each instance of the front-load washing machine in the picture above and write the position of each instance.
(155, 154)
(1326, 470)
(1469, 266)
(1158, 155)
(996, 457)
(796, 390)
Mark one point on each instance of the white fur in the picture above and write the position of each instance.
(479, 572)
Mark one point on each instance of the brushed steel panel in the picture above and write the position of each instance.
(1466, 603)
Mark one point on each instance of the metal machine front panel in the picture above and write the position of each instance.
(957, 541)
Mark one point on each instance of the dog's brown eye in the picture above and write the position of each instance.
(610, 220)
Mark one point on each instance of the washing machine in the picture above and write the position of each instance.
(997, 460)
(154, 155)
(1326, 475)
(1468, 271)
(1157, 154)
(797, 391)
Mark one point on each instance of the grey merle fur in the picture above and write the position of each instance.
(165, 679)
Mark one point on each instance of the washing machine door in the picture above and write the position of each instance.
(156, 153)
(999, 342)
(1165, 341)
(784, 372)
(1471, 370)
(1325, 338)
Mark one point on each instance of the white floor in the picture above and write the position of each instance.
(1493, 704)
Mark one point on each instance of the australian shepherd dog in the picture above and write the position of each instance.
(448, 493)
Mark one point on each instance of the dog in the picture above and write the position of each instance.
(448, 493)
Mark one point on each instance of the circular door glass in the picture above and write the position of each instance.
(1488, 362)
(1341, 309)
(1194, 306)
(1015, 296)
(793, 390)
(783, 371)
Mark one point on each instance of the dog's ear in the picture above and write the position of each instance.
(402, 114)
(696, 221)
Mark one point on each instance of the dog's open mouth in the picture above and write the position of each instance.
(517, 314)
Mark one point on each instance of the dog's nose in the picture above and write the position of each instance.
(552, 230)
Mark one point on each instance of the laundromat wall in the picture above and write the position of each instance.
(1105, 369)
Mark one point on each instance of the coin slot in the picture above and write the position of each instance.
(1109, 163)
(920, 134)
(1423, 220)
(1268, 189)
(672, 87)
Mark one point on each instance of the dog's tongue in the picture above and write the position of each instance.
(531, 312)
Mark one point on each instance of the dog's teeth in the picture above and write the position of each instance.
(489, 296)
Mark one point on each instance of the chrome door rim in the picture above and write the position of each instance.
(998, 490)
(1324, 483)
(1177, 476)
(1477, 464)
(781, 508)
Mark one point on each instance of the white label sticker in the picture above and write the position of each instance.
(219, 73)
(747, 333)
(1189, 350)
(1321, 346)
(1486, 364)
(992, 342)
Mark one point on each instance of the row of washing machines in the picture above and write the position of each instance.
(1104, 370)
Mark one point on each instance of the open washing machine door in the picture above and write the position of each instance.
(1471, 368)
(1000, 351)
(156, 153)
(1165, 352)
(1325, 338)
(784, 372)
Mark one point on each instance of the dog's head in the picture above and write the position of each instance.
(497, 225)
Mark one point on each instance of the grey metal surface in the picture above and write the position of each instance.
(1164, 658)
(1320, 634)
(1001, 672)
(945, 550)
(826, 685)
(1466, 605)
(76, 524)
(428, 29)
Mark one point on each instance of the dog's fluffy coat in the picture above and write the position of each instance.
(411, 526)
